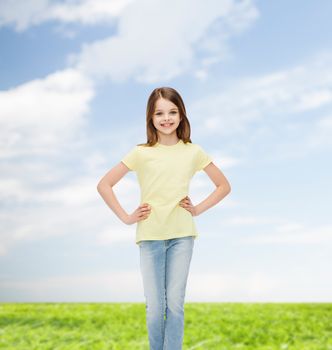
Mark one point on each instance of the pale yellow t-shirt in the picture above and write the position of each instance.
(164, 173)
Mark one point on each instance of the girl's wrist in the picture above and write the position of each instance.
(197, 210)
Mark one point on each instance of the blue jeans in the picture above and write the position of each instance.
(165, 266)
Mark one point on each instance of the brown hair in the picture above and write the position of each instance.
(168, 93)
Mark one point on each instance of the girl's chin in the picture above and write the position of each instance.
(167, 132)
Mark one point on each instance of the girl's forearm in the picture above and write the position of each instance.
(107, 193)
(215, 197)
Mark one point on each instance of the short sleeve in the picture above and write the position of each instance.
(131, 159)
(202, 159)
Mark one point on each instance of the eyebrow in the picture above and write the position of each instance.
(173, 109)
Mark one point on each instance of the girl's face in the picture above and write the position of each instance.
(166, 117)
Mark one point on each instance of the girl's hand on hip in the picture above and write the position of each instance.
(187, 204)
(141, 213)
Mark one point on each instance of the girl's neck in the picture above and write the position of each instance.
(168, 140)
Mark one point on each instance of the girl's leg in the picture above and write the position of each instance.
(178, 257)
(152, 264)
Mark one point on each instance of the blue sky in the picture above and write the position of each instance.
(256, 78)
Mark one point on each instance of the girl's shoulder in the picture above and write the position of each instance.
(194, 146)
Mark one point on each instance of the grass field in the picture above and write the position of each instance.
(121, 326)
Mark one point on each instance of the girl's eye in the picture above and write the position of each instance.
(160, 113)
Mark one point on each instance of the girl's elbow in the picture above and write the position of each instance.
(227, 188)
(100, 185)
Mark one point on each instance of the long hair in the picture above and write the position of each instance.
(168, 93)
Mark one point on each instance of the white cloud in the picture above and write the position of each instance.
(42, 116)
(225, 162)
(292, 234)
(73, 207)
(24, 14)
(115, 234)
(214, 286)
(155, 42)
(95, 287)
(88, 11)
(248, 220)
(269, 99)
(321, 134)
(41, 122)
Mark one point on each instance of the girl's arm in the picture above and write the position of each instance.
(222, 190)
(105, 189)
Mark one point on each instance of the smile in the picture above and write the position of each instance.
(166, 125)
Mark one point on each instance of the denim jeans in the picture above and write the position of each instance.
(165, 266)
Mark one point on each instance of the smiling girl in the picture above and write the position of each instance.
(165, 231)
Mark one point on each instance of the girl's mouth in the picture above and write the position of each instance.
(166, 125)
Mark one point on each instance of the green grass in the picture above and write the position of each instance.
(121, 326)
